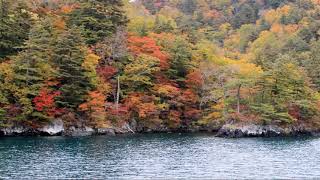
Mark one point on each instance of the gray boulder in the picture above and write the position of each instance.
(85, 131)
(55, 128)
(106, 131)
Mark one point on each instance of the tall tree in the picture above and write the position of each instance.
(285, 86)
(312, 64)
(139, 73)
(246, 13)
(180, 62)
(68, 56)
(32, 67)
(15, 24)
(98, 19)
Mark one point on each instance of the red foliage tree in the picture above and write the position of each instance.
(192, 113)
(118, 114)
(194, 79)
(107, 72)
(188, 97)
(174, 119)
(146, 45)
(45, 102)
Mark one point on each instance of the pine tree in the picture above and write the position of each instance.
(32, 66)
(14, 27)
(180, 62)
(69, 56)
(312, 64)
(98, 19)
(286, 85)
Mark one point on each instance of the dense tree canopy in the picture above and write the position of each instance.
(159, 63)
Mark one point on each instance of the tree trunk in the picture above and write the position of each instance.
(238, 98)
(224, 102)
(118, 93)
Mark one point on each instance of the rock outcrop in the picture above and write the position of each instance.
(253, 130)
(82, 131)
(16, 131)
(231, 130)
(106, 131)
(55, 128)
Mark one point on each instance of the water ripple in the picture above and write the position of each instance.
(159, 156)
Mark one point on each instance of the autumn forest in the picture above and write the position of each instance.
(162, 65)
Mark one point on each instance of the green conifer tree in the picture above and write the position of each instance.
(98, 19)
(69, 56)
(14, 27)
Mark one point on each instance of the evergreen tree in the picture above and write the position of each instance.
(98, 19)
(150, 5)
(188, 6)
(163, 25)
(32, 66)
(68, 56)
(264, 25)
(180, 62)
(246, 13)
(248, 33)
(312, 64)
(14, 27)
(284, 86)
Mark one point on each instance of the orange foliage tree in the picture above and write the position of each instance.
(146, 45)
(144, 108)
(95, 107)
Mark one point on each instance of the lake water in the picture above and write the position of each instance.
(159, 156)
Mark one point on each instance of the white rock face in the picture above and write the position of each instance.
(54, 128)
(89, 129)
(13, 131)
(252, 130)
(255, 130)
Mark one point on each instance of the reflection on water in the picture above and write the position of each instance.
(161, 156)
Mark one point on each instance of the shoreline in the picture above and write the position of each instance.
(229, 130)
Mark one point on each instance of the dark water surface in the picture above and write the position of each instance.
(159, 156)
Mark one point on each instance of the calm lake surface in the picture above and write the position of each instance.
(160, 156)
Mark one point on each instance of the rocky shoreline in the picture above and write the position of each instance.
(57, 128)
(253, 130)
(229, 130)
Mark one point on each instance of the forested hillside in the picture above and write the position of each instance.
(162, 64)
